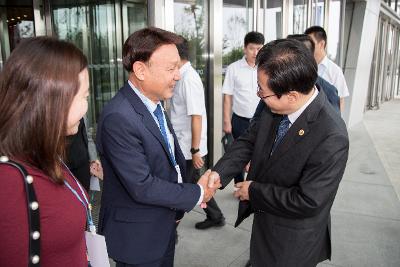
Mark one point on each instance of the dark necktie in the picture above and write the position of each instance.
(282, 130)
(160, 117)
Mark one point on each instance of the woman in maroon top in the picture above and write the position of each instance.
(43, 95)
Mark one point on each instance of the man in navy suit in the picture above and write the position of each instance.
(144, 191)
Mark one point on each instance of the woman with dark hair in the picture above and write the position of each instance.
(43, 95)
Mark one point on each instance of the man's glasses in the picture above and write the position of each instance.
(260, 95)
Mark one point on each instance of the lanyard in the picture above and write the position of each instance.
(85, 203)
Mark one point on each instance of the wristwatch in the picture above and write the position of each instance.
(194, 150)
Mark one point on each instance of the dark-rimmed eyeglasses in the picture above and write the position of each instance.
(260, 95)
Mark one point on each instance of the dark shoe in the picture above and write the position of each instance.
(207, 223)
(248, 264)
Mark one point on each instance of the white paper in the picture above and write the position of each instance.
(94, 183)
(97, 250)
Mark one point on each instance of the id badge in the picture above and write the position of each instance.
(97, 250)
(178, 171)
(94, 183)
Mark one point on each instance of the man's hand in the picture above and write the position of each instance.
(242, 191)
(197, 161)
(227, 127)
(96, 169)
(210, 182)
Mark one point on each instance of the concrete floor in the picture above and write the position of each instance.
(365, 214)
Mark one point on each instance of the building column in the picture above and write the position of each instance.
(361, 26)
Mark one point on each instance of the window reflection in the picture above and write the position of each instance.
(91, 26)
(334, 30)
(273, 20)
(190, 21)
(299, 16)
(318, 7)
(237, 21)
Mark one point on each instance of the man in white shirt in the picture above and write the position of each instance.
(189, 120)
(327, 69)
(240, 89)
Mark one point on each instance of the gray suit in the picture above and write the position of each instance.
(294, 189)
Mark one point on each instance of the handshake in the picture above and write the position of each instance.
(210, 182)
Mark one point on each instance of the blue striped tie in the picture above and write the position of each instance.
(282, 130)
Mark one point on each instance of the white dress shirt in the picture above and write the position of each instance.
(241, 82)
(331, 72)
(188, 100)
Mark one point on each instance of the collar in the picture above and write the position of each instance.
(243, 63)
(324, 61)
(150, 105)
(185, 68)
(295, 115)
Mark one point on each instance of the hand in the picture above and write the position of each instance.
(242, 191)
(214, 180)
(96, 169)
(197, 161)
(227, 127)
(209, 184)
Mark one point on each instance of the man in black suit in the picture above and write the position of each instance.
(298, 149)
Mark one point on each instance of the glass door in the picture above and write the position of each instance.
(99, 28)
(16, 23)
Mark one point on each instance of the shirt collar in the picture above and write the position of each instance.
(243, 63)
(324, 61)
(150, 105)
(185, 67)
(295, 115)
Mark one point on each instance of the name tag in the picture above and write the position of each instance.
(97, 250)
(178, 171)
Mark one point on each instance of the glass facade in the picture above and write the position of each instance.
(318, 15)
(299, 16)
(273, 20)
(237, 20)
(16, 23)
(191, 21)
(333, 32)
(96, 27)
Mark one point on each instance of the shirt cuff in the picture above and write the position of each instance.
(201, 195)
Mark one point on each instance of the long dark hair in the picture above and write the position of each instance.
(37, 86)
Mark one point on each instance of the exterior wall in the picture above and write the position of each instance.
(361, 39)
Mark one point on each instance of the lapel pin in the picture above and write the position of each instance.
(301, 132)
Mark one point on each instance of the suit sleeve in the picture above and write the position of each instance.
(317, 186)
(238, 155)
(122, 146)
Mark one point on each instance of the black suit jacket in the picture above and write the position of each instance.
(294, 189)
(141, 196)
(78, 155)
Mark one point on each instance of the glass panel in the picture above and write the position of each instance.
(318, 12)
(334, 29)
(237, 17)
(137, 16)
(273, 20)
(299, 16)
(91, 25)
(191, 21)
(16, 23)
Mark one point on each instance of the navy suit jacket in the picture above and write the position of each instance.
(141, 196)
